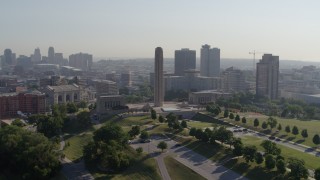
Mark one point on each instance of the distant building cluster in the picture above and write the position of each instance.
(42, 81)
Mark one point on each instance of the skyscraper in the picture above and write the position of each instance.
(158, 82)
(267, 76)
(9, 58)
(36, 56)
(51, 55)
(184, 59)
(209, 61)
(81, 60)
(58, 58)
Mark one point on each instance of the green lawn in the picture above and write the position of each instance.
(205, 118)
(143, 167)
(135, 120)
(311, 161)
(178, 171)
(77, 142)
(198, 124)
(312, 127)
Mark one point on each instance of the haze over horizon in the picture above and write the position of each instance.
(132, 29)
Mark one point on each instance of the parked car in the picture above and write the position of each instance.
(272, 138)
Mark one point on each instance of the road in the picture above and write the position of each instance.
(189, 158)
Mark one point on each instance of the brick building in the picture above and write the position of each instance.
(32, 102)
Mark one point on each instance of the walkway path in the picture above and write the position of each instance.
(189, 158)
(74, 171)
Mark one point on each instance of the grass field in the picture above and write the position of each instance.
(198, 124)
(135, 120)
(205, 118)
(311, 161)
(311, 126)
(77, 142)
(179, 171)
(143, 168)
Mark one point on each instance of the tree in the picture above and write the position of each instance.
(162, 145)
(110, 132)
(272, 122)
(237, 147)
(270, 162)
(50, 126)
(223, 135)
(144, 135)
(270, 148)
(287, 129)
(153, 114)
(249, 153)
(26, 154)
(298, 170)
(231, 116)
(72, 107)
(216, 111)
(244, 120)
(84, 120)
(205, 137)
(259, 158)
(108, 149)
(198, 134)
(304, 133)
(192, 131)
(316, 139)
(264, 125)
(279, 127)
(161, 119)
(237, 118)
(295, 130)
(256, 122)
(226, 113)
(281, 166)
(135, 130)
(17, 122)
(184, 124)
(82, 104)
(139, 150)
(317, 174)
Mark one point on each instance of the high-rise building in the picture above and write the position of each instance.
(36, 56)
(9, 58)
(184, 59)
(158, 80)
(51, 55)
(233, 80)
(125, 79)
(81, 60)
(267, 76)
(209, 61)
(58, 58)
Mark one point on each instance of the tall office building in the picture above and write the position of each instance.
(184, 59)
(209, 61)
(267, 76)
(36, 57)
(81, 60)
(51, 55)
(9, 58)
(158, 81)
(58, 58)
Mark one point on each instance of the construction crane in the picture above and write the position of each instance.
(254, 52)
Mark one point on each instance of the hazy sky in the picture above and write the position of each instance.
(133, 28)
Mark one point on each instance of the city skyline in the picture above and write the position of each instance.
(128, 29)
